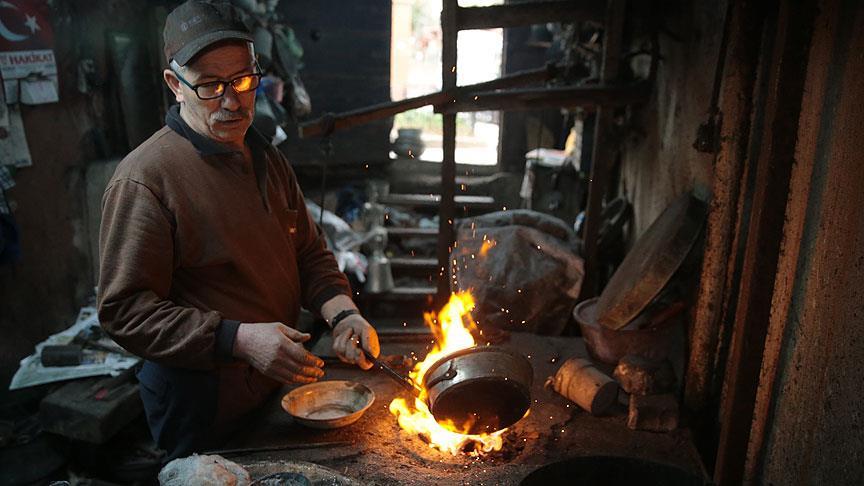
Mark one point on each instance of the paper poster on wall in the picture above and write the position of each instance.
(27, 63)
(4, 116)
(13, 147)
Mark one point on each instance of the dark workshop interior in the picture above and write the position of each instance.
(594, 242)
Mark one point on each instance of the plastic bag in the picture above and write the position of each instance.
(522, 269)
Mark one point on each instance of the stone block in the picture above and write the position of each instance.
(639, 376)
(655, 413)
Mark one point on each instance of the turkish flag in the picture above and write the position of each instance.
(24, 25)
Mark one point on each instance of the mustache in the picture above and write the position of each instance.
(227, 115)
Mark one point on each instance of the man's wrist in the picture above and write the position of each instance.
(226, 339)
(339, 317)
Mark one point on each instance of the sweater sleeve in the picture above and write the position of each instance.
(320, 278)
(136, 247)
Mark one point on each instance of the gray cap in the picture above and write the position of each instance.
(196, 24)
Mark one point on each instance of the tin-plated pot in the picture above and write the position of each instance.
(479, 389)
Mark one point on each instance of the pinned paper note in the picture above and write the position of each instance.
(13, 147)
(29, 77)
(4, 115)
(37, 91)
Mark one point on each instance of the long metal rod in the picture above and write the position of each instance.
(403, 380)
(284, 447)
(556, 97)
(380, 111)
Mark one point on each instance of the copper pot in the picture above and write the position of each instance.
(609, 346)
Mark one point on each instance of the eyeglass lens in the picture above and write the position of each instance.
(242, 84)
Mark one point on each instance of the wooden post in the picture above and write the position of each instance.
(447, 210)
(736, 104)
(604, 151)
(772, 166)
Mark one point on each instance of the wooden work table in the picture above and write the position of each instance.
(375, 450)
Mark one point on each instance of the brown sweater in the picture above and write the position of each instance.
(194, 241)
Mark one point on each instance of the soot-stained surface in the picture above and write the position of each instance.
(374, 450)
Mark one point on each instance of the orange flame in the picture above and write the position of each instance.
(488, 244)
(452, 332)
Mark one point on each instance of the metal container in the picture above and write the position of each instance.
(328, 404)
(479, 389)
(591, 389)
(609, 346)
(380, 274)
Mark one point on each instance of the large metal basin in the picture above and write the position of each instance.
(479, 389)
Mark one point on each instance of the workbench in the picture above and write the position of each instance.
(375, 450)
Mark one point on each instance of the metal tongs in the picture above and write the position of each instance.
(403, 380)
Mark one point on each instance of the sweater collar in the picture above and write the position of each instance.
(205, 145)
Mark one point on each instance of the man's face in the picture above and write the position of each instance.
(227, 118)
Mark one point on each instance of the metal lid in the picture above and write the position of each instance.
(651, 262)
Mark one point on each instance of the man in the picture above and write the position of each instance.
(208, 252)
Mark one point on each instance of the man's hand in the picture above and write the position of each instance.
(274, 349)
(349, 335)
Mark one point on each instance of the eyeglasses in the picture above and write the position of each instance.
(215, 89)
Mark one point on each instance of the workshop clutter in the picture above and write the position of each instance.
(99, 396)
(80, 351)
(211, 469)
(637, 326)
(203, 469)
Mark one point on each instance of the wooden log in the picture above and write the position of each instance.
(640, 376)
(655, 413)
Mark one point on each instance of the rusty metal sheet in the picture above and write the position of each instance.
(651, 262)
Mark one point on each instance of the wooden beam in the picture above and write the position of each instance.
(778, 131)
(605, 151)
(718, 263)
(538, 98)
(521, 14)
(349, 119)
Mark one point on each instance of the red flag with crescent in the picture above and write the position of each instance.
(25, 26)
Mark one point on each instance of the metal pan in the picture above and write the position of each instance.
(480, 389)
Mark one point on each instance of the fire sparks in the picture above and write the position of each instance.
(452, 331)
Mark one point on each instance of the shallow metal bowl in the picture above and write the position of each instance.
(328, 404)
(609, 345)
